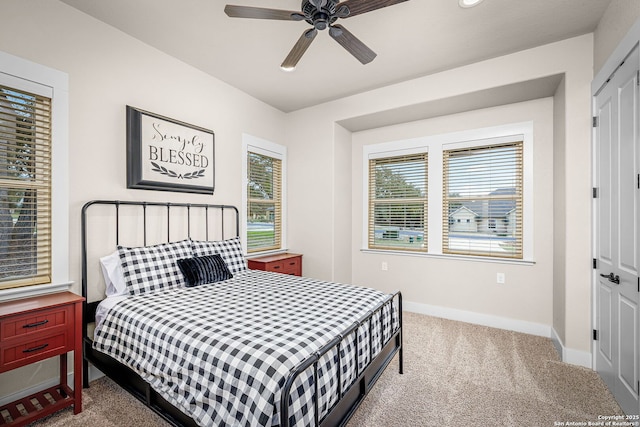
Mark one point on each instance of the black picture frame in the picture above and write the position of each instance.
(168, 155)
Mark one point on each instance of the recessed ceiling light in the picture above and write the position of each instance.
(468, 3)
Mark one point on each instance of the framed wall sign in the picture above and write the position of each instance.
(168, 155)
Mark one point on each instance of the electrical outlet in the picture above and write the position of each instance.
(500, 278)
(384, 266)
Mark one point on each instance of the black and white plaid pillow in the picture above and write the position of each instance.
(154, 268)
(230, 250)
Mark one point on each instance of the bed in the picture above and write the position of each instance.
(242, 347)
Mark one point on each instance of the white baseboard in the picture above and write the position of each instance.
(568, 355)
(479, 319)
(557, 343)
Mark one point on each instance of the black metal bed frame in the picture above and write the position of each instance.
(348, 400)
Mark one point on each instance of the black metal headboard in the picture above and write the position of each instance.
(186, 214)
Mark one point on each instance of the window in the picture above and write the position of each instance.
(398, 202)
(34, 179)
(477, 185)
(264, 212)
(25, 188)
(487, 182)
(264, 195)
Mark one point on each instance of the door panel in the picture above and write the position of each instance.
(605, 335)
(627, 385)
(626, 196)
(627, 211)
(604, 181)
(616, 208)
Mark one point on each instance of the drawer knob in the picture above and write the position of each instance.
(32, 349)
(33, 325)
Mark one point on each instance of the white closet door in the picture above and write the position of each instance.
(617, 210)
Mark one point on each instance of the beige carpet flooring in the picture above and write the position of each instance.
(455, 374)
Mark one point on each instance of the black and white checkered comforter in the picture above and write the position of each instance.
(221, 352)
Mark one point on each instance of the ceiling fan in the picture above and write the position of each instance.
(321, 14)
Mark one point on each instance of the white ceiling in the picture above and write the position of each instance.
(412, 39)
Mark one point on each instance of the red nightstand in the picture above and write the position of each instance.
(280, 263)
(34, 329)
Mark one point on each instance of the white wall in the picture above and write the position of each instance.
(460, 284)
(341, 253)
(108, 70)
(616, 21)
(559, 211)
(577, 198)
(311, 153)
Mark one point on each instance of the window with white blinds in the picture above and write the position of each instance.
(264, 202)
(25, 188)
(482, 201)
(398, 203)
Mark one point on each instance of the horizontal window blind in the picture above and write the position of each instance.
(482, 201)
(398, 203)
(25, 188)
(264, 203)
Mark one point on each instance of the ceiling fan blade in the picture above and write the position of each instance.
(352, 44)
(262, 13)
(299, 49)
(357, 7)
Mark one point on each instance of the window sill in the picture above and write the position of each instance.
(450, 257)
(32, 291)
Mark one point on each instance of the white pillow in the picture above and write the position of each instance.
(113, 275)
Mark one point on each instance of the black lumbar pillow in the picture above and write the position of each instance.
(204, 269)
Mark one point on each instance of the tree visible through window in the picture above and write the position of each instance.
(398, 202)
(25, 188)
(264, 201)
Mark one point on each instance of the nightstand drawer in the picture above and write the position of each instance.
(292, 266)
(285, 267)
(32, 351)
(276, 267)
(37, 322)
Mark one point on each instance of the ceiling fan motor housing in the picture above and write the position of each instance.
(320, 17)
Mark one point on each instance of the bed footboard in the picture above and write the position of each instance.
(349, 399)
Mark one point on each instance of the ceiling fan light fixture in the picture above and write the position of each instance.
(287, 69)
(468, 3)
